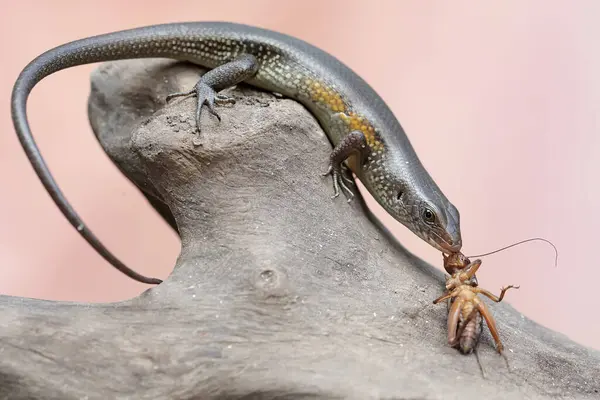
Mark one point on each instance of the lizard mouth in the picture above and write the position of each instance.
(448, 248)
(445, 246)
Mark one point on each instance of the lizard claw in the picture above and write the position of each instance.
(206, 96)
(329, 170)
(338, 181)
(221, 99)
(180, 94)
(211, 108)
(346, 175)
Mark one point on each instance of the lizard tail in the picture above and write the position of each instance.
(65, 56)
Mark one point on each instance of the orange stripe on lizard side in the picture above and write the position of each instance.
(324, 95)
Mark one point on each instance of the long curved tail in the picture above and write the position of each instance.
(65, 56)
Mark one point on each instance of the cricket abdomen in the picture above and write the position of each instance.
(470, 335)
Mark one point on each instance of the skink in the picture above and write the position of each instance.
(367, 139)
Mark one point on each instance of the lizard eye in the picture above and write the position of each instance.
(428, 215)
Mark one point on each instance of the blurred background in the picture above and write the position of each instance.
(501, 101)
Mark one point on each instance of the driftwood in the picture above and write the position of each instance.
(280, 292)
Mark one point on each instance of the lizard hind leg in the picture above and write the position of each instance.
(354, 142)
(222, 77)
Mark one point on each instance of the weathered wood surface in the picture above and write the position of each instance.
(279, 291)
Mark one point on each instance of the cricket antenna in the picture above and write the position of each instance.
(521, 242)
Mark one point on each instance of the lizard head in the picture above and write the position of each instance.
(438, 223)
(420, 206)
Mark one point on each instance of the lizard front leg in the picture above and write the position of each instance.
(354, 142)
(217, 79)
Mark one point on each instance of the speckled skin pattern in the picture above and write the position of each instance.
(340, 100)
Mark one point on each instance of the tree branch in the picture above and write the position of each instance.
(279, 291)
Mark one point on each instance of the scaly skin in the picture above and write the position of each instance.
(382, 157)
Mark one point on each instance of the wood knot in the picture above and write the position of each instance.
(271, 282)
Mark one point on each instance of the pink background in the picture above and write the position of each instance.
(509, 91)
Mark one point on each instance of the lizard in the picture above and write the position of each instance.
(367, 138)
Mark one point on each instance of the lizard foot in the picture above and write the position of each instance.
(221, 99)
(206, 96)
(347, 175)
(354, 141)
(339, 176)
(217, 79)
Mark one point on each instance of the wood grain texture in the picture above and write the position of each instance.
(280, 292)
